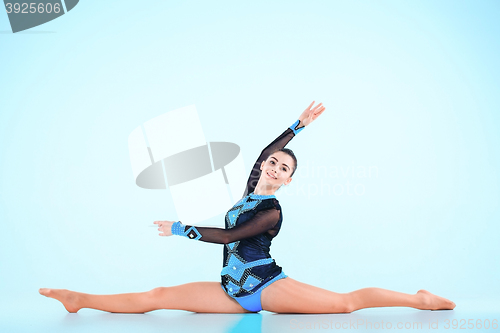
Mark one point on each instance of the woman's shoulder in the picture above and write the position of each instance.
(276, 203)
(270, 203)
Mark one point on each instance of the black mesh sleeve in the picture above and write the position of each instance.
(280, 142)
(261, 222)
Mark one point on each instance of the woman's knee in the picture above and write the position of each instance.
(349, 303)
(157, 292)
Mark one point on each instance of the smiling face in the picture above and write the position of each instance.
(277, 169)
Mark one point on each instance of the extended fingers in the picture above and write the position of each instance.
(160, 225)
(317, 111)
(160, 228)
(316, 115)
(320, 110)
(317, 106)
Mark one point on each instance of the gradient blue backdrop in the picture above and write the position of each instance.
(411, 89)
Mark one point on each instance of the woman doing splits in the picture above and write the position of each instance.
(251, 280)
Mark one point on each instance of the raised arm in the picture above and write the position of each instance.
(280, 142)
(261, 222)
(308, 116)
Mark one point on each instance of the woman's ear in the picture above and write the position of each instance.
(288, 181)
(262, 164)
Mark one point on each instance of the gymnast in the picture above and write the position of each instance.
(251, 280)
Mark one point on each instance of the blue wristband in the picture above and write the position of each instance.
(294, 127)
(178, 228)
(191, 233)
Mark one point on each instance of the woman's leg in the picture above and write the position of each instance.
(194, 296)
(378, 297)
(290, 296)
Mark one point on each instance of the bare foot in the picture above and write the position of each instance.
(68, 298)
(434, 302)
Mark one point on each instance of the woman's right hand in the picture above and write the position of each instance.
(309, 115)
(165, 227)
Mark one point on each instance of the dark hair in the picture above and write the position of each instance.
(291, 154)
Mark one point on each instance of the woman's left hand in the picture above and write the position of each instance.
(309, 115)
(165, 227)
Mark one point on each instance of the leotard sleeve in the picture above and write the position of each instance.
(280, 142)
(261, 222)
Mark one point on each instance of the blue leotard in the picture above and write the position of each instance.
(250, 225)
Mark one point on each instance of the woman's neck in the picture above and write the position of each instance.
(264, 189)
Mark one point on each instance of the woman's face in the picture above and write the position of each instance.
(276, 170)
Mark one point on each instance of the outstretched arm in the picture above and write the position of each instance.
(308, 116)
(261, 222)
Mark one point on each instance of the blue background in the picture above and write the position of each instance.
(410, 89)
